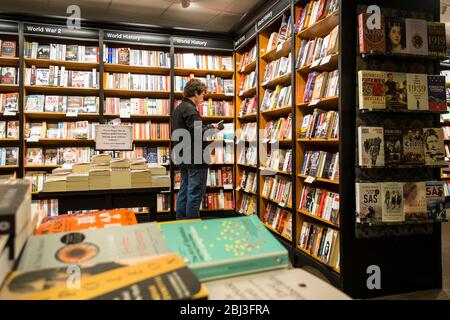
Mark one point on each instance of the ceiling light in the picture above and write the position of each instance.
(185, 3)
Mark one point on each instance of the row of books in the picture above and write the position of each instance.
(321, 85)
(248, 156)
(202, 61)
(277, 68)
(7, 48)
(222, 154)
(8, 102)
(284, 32)
(276, 130)
(34, 131)
(278, 98)
(60, 77)
(278, 189)
(278, 219)
(400, 201)
(247, 205)
(321, 203)
(248, 57)
(151, 131)
(49, 207)
(321, 242)
(415, 36)
(8, 75)
(217, 200)
(315, 11)
(61, 52)
(216, 108)
(226, 134)
(313, 50)
(50, 103)
(248, 106)
(137, 106)
(247, 132)
(247, 82)
(279, 159)
(58, 156)
(136, 57)
(9, 156)
(130, 81)
(321, 164)
(248, 181)
(157, 155)
(447, 188)
(320, 124)
(401, 91)
(214, 84)
(9, 129)
(378, 146)
(162, 202)
(215, 177)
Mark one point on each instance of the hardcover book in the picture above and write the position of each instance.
(413, 146)
(368, 202)
(433, 141)
(417, 91)
(395, 35)
(437, 100)
(51, 104)
(42, 77)
(8, 75)
(371, 40)
(371, 146)
(396, 91)
(393, 146)
(416, 37)
(415, 202)
(392, 202)
(87, 247)
(8, 48)
(437, 43)
(71, 52)
(35, 103)
(43, 51)
(435, 200)
(371, 89)
(10, 102)
(225, 247)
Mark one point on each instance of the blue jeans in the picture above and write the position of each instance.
(192, 189)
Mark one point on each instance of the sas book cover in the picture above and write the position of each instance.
(416, 36)
(371, 40)
(392, 202)
(371, 146)
(371, 89)
(417, 91)
(368, 202)
(225, 247)
(164, 277)
(88, 247)
(413, 148)
(435, 200)
(414, 201)
(437, 100)
(393, 145)
(396, 91)
(433, 140)
(97, 220)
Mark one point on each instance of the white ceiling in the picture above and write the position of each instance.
(205, 15)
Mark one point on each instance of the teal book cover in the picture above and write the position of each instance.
(221, 248)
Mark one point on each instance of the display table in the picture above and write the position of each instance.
(107, 199)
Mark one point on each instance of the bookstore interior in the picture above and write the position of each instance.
(329, 178)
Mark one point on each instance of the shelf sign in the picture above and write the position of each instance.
(228, 187)
(33, 139)
(326, 59)
(136, 37)
(6, 26)
(72, 112)
(278, 8)
(245, 37)
(202, 43)
(310, 179)
(113, 138)
(314, 102)
(9, 113)
(59, 30)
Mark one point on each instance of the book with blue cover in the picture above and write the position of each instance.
(220, 248)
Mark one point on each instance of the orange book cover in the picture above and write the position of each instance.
(76, 222)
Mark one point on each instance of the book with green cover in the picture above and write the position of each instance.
(90, 247)
(220, 248)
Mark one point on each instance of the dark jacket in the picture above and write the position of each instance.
(186, 116)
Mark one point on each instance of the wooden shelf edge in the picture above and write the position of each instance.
(313, 216)
(317, 259)
(336, 182)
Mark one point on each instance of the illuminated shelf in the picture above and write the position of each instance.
(309, 214)
(320, 28)
(203, 72)
(74, 65)
(302, 176)
(60, 116)
(112, 67)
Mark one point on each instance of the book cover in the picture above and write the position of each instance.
(42, 77)
(437, 100)
(225, 247)
(416, 36)
(11, 156)
(82, 130)
(89, 104)
(163, 277)
(413, 146)
(395, 35)
(90, 54)
(43, 51)
(396, 91)
(8, 75)
(12, 129)
(34, 156)
(417, 91)
(415, 202)
(51, 156)
(368, 202)
(371, 40)
(392, 202)
(10, 102)
(124, 56)
(51, 104)
(8, 48)
(86, 247)
(72, 52)
(371, 89)
(433, 139)
(393, 146)
(437, 43)
(371, 146)
(435, 200)
(35, 103)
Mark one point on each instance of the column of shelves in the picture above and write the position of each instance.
(445, 122)
(214, 68)
(9, 105)
(275, 124)
(317, 140)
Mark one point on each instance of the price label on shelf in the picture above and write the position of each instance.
(325, 60)
(280, 46)
(228, 187)
(310, 179)
(9, 113)
(282, 204)
(33, 139)
(315, 63)
(314, 102)
(125, 114)
(71, 112)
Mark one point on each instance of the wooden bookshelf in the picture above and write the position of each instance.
(136, 93)
(248, 67)
(214, 96)
(276, 113)
(276, 232)
(203, 72)
(60, 116)
(217, 118)
(330, 102)
(69, 91)
(6, 88)
(318, 259)
(277, 203)
(303, 176)
(70, 65)
(62, 142)
(324, 142)
(8, 140)
(320, 28)
(112, 67)
(41, 166)
(281, 80)
(247, 93)
(248, 118)
(9, 167)
(158, 117)
(9, 61)
(317, 218)
(247, 166)
(281, 50)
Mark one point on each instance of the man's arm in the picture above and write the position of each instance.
(192, 120)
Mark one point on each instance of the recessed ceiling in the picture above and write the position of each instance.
(204, 15)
